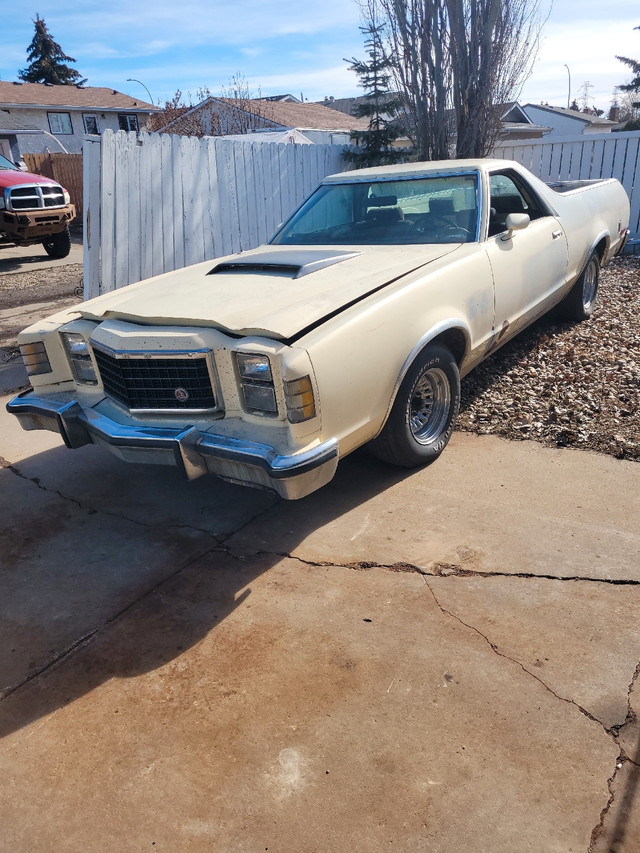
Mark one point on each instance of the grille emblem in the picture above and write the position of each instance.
(181, 394)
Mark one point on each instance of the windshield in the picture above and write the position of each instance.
(439, 209)
(7, 164)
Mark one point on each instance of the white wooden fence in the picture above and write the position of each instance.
(605, 155)
(158, 203)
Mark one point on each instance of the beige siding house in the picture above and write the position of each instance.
(38, 117)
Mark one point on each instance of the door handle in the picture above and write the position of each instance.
(556, 234)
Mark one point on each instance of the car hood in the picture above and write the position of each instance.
(9, 178)
(275, 291)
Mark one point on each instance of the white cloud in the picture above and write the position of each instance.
(589, 48)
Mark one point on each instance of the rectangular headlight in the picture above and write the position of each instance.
(35, 357)
(261, 398)
(256, 367)
(256, 383)
(77, 348)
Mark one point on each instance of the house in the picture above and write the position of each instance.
(565, 122)
(234, 116)
(398, 118)
(516, 124)
(40, 117)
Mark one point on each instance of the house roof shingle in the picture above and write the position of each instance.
(562, 111)
(308, 116)
(71, 97)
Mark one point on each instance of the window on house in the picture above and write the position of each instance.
(90, 123)
(60, 123)
(128, 121)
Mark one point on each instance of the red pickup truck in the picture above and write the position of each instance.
(34, 209)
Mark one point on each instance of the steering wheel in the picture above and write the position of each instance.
(425, 224)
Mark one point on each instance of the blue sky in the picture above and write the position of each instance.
(289, 46)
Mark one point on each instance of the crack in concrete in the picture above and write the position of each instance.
(453, 570)
(448, 570)
(598, 829)
(66, 653)
(436, 569)
(497, 651)
(122, 516)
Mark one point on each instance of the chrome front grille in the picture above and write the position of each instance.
(32, 196)
(157, 383)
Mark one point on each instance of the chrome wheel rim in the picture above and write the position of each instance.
(589, 284)
(429, 406)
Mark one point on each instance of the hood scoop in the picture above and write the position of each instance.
(296, 265)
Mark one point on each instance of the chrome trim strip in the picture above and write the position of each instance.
(121, 353)
(604, 235)
(422, 343)
(59, 190)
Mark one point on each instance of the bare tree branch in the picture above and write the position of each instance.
(459, 62)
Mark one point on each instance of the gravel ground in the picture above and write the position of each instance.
(566, 385)
(27, 297)
(25, 288)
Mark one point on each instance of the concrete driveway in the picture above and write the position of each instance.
(442, 660)
(25, 258)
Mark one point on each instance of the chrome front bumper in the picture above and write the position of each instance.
(194, 452)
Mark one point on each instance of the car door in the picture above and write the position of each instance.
(529, 265)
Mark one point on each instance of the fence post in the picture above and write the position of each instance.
(92, 204)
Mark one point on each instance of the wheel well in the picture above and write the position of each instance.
(601, 248)
(455, 341)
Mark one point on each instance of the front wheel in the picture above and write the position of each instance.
(424, 412)
(580, 303)
(58, 245)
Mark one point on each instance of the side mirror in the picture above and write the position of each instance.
(515, 222)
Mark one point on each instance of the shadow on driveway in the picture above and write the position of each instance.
(174, 582)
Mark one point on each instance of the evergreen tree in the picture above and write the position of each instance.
(376, 143)
(47, 60)
(634, 85)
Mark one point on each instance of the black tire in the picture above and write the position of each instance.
(424, 412)
(580, 303)
(58, 245)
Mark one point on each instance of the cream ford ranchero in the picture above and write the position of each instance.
(352, 326)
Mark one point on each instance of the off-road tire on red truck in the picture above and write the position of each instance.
(58, 245)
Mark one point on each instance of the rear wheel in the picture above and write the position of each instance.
(580, 303)
(424, 412)
(58, 245)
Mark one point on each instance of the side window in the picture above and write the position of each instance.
(90, 123)
(127, 121)
(60, 123)
(509, 195)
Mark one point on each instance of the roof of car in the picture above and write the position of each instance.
(412, 170)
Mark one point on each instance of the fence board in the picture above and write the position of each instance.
(66, 169)
(614, 155)
(107, 204)
(91, 219)
(214, 249)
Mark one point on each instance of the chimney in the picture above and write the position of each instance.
(614, 113)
